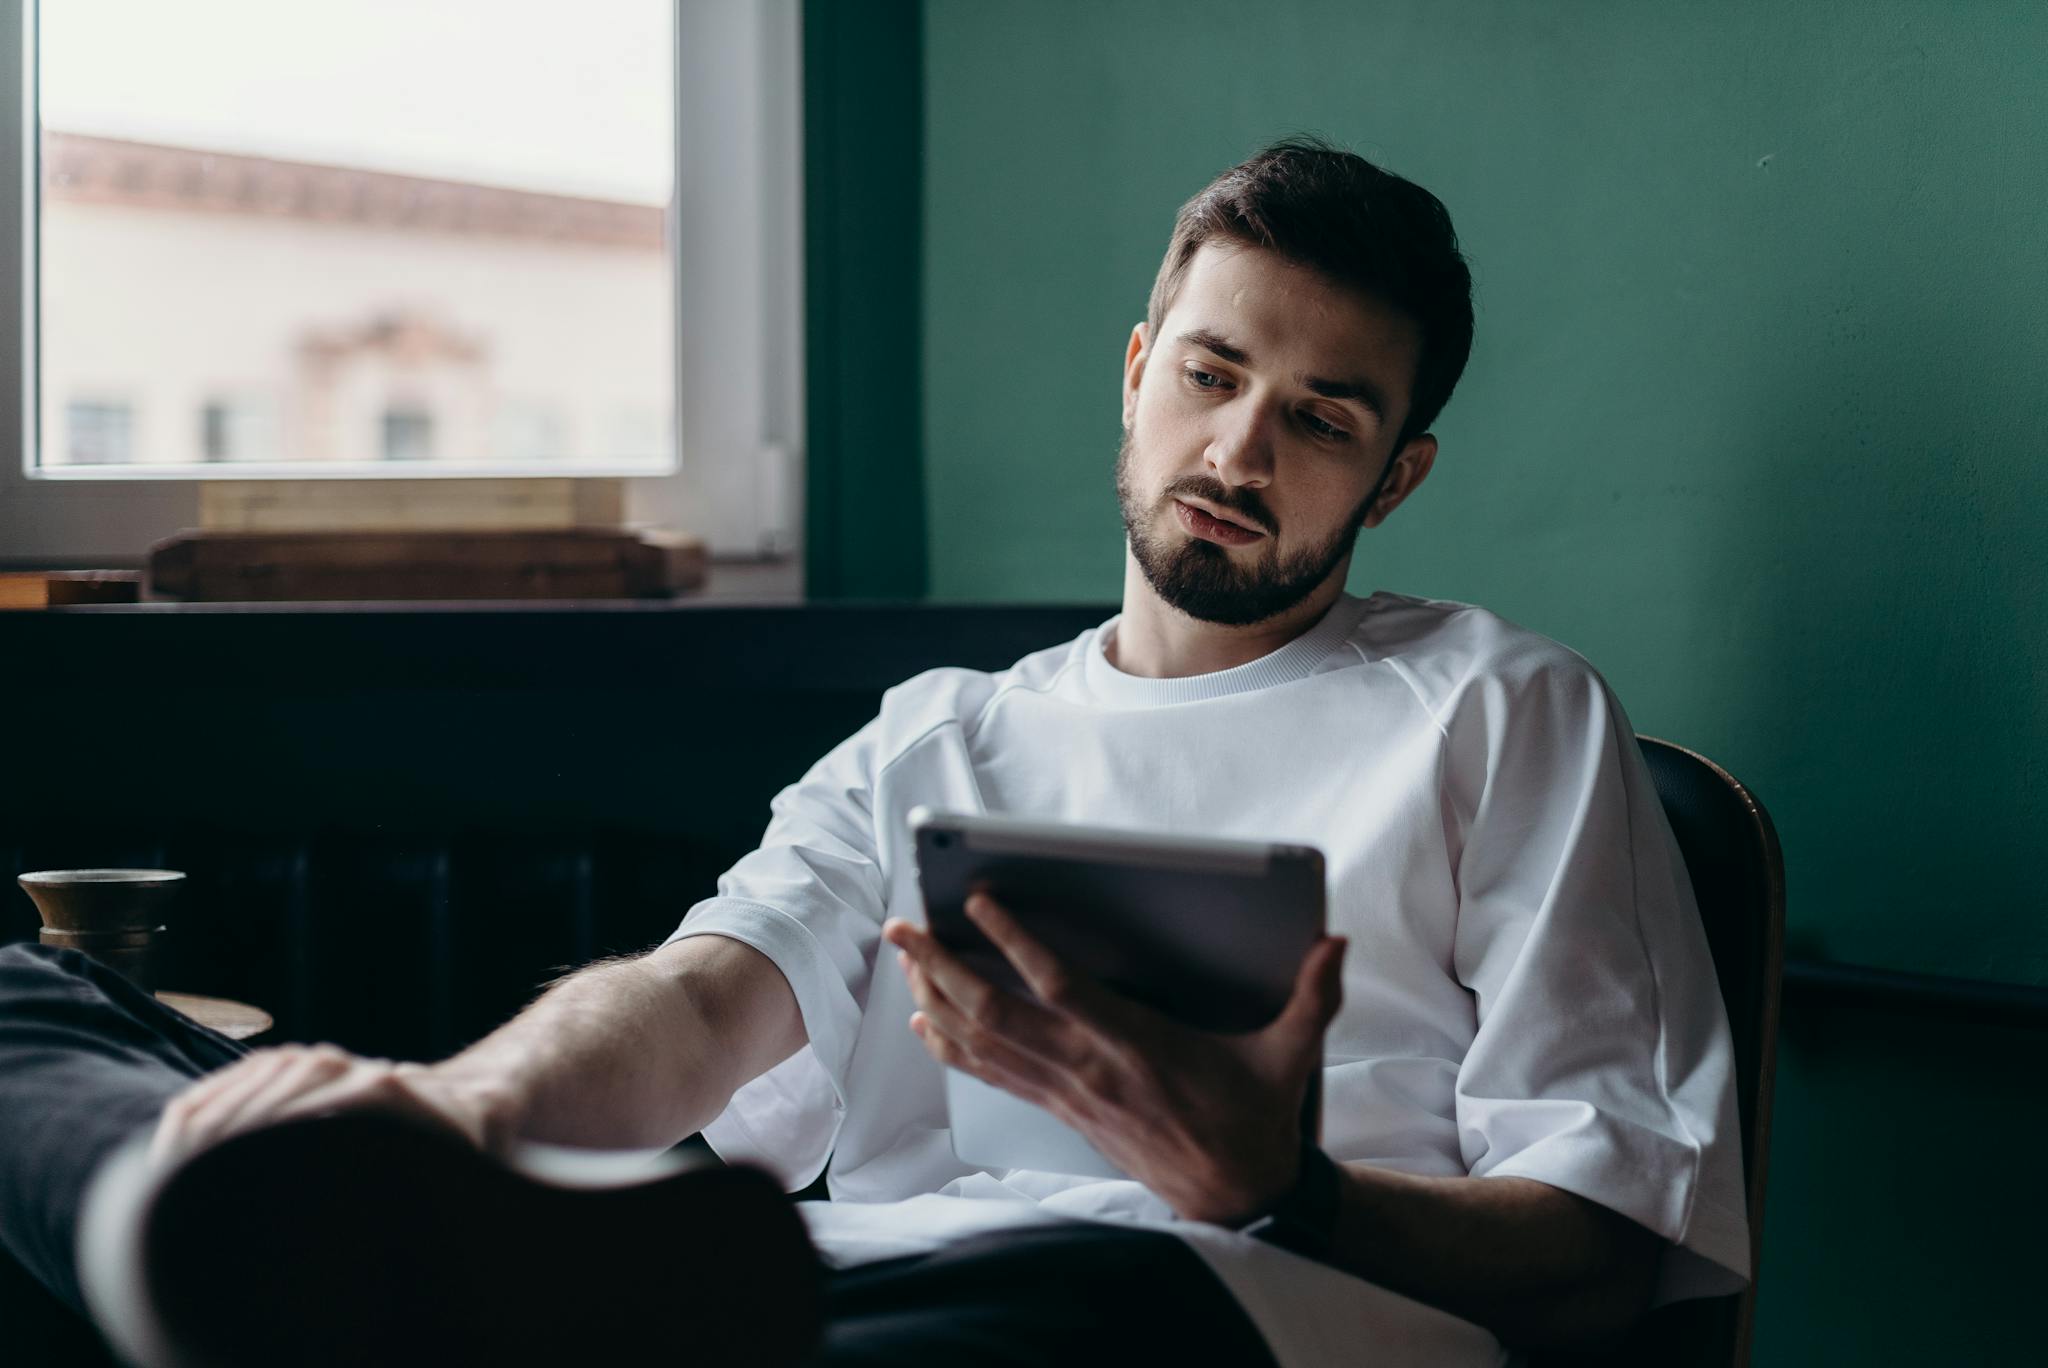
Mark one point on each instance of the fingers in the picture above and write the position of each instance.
(986, 1058)
(245, 1074)
(1056, 984)
(240, 1095)
(317, 1067)
(1023, 1023)
(1006, 1039)
(369, 1083)
(943, 1021)
(281, 1083)
(291, 1081)
(950, 1053)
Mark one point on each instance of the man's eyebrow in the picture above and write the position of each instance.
(1363, 391)
(1214, 342)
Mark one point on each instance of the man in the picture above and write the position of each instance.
(1528, 1115)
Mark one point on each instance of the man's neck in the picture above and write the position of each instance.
(1159, 642)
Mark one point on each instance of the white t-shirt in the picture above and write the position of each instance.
(1527, 989)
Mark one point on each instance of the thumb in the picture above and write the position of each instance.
(1318, 993)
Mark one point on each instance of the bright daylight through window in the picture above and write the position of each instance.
(337, 238)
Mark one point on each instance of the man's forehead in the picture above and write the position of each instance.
(1284, 315)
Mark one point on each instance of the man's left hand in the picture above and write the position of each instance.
(1209, 1122)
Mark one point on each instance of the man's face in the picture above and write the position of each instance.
(1271, 395)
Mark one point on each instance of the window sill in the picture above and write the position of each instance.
(730, 581)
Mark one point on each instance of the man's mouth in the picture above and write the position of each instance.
(1211, 528)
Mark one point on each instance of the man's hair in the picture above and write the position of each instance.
(1338, 214)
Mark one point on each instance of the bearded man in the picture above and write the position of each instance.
(1527, 1090)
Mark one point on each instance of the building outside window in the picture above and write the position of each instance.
(243, 429)
(203, 192)
(98, 432)
(641, 427)
(530, 431)
(408, 434)
(216, 195)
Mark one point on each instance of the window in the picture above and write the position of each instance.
(215, 189)
(485, 270)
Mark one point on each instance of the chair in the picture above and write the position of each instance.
(1738, 879)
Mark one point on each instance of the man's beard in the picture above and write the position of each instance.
(1203, 579)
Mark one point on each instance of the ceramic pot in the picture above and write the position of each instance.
(115, 915)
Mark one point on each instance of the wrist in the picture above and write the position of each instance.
(483, 1100)
(1242, 1205)
(1304, 1217)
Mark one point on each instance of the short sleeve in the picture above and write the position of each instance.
(811, 898)
(1602, 1062)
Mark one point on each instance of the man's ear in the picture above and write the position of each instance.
(1134, 368)
(1411, 467)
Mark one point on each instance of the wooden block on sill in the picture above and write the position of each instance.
(570, 563)
(409, 505)
(61, 588)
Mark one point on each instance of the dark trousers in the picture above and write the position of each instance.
(87, 1060)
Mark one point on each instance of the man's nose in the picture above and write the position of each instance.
(1242, 453)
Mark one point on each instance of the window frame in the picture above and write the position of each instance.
(738, 301)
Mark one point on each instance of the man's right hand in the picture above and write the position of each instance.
(301, 1080)
(629, 1054)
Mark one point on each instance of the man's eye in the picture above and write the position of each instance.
(1202, 379)
(1321, 428)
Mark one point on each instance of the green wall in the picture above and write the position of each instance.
(1753, 421)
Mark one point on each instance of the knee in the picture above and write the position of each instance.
(27, 965)
(33, 957)
(32, 971)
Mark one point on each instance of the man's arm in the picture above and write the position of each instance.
(636, 1053)
(624, 1054)
(1538, 1266)
(1211, 1123)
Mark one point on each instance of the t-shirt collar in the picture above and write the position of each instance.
(1296, 660)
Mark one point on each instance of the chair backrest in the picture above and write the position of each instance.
(1738, 879)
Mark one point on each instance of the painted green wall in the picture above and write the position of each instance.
(1753, 413)
(1753, 421)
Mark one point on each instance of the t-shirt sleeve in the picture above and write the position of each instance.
(811, 898)
(1602, 1062)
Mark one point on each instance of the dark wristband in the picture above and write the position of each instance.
(1305, 1220)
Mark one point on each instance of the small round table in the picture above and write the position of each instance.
(235, 1020)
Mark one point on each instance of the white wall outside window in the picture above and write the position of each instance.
(736, 227)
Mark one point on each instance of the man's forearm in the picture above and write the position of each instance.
(1535, 1264)
(635, 1053)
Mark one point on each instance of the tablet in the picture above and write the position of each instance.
(1208, 930)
